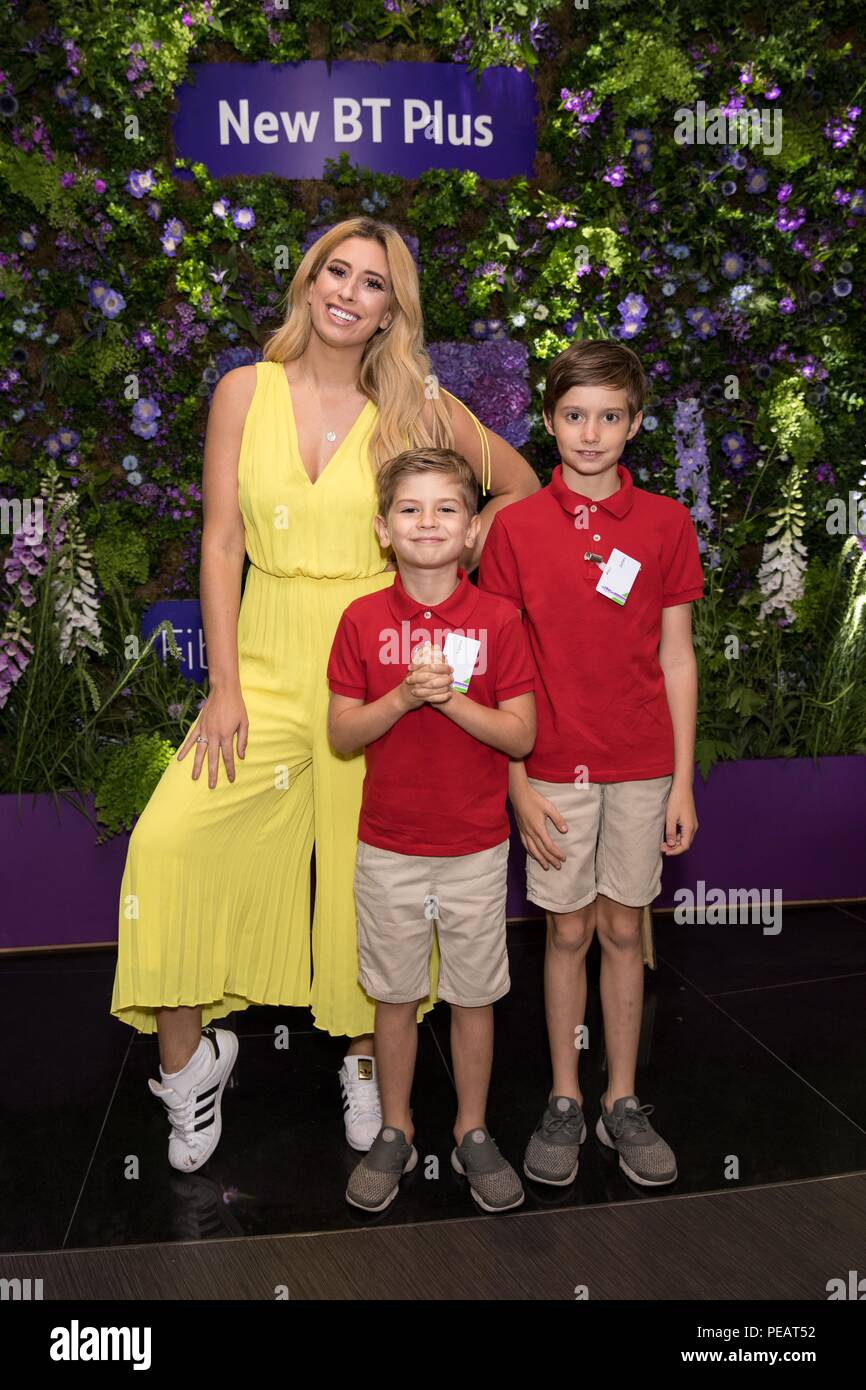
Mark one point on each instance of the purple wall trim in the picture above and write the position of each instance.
(765, 823)
(57, 886)
(769, 823)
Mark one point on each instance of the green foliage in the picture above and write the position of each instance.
(127, 780)
(784, 418)
(120, 553)
(648, 74)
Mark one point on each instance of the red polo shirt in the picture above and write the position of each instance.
(431, 787)
(600, 693)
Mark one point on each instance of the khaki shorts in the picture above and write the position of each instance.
(612, 844)
(398, 897)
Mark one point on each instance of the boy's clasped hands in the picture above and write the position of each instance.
(428, 679)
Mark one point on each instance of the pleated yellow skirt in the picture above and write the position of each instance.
(215, 899)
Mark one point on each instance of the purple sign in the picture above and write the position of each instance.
(400, 118)
(184, 614)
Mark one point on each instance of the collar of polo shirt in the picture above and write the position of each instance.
(453, 610)
(618, 504)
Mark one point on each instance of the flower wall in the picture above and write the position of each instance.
(730, 259)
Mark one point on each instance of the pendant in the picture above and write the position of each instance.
(331, 435)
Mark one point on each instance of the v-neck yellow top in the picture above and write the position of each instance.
(322, 530)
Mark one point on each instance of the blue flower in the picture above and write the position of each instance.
(756, 181)
(731, 265)
(650, 423)
(732, 442)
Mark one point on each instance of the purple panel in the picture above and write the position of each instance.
(770, 823)
(392, 118)
(781, 823)
(767, 823)
(57, 886)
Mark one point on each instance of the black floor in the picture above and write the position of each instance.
(752, 1049)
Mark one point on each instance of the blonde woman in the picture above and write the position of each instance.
(215, 900)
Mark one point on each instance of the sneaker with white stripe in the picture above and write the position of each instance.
(196, 1122)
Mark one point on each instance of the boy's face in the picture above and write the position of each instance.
(591, 426)
(428, 524)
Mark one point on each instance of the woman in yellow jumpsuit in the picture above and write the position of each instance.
(215, 901)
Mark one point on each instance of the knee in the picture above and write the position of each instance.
(571, 931)
(619, 927)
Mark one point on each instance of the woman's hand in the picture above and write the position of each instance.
(222, 716)
(531, 809)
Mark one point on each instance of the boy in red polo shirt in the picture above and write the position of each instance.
(435, 680)
(605, 574)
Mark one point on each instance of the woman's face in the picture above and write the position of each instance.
(350, 297)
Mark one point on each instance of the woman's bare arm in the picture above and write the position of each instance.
(222, 559)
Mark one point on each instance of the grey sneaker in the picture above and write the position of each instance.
(494, 1183)
(553, 1152)
(374, 1182)
(643, 1155)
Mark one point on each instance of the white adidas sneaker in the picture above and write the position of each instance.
(362, 1108)
(196, 1123)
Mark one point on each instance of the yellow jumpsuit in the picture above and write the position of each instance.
(215, 898)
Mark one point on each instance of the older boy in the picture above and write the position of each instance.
(433, 830)
(605, 574)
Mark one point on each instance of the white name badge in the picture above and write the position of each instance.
(618, 576)
(461, 653)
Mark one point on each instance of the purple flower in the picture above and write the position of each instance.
(784, 193)
(702, 322)
(756, 181)
(614, 174)
(786, 305)
(732, 442)
(244, 219)
(692, 477)
(731, 265)
(789, 221)
(144, 417)
(581, 104)
(140, 182)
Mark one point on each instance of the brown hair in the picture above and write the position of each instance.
(413, 461)
(596, 362)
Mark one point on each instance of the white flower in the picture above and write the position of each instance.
(782, 574)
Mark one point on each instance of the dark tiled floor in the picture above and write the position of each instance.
(752, 1047)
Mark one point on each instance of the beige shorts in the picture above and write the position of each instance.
(399, 896)
(612, 844)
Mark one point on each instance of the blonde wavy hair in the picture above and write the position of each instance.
(395, 368)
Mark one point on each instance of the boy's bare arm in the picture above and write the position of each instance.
(677, 660)
(352, 724)
(510, 727)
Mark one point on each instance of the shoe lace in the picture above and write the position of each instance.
(182, 1118)
(571, 1123)
(635, 1119)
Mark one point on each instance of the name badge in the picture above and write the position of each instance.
(618, 576)
(461, 653)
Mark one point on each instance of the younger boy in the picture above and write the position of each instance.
(433, 829)
(613, 764)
